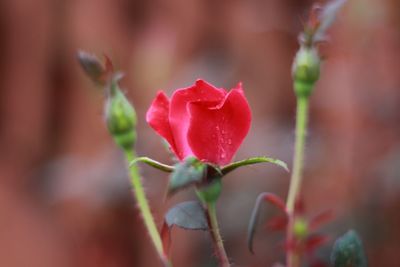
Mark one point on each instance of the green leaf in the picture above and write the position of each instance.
(188, 215)
(230, 167)
(153, 163)
(186, 173)
(348, 251)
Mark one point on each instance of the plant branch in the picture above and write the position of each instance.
(216, 235)
(293, 260)
(144, 208)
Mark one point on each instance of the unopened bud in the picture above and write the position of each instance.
(305, 70)
(121, 118)
(300, 228)
(94, 68)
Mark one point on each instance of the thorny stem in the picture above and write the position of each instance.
(144, 209)
(292, 257)
(216, 235)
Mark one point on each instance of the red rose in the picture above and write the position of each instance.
(202, 121)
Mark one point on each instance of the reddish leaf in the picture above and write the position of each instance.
(290, 244)
(166, 237)
(108, 70)
(318, 263)
(321, 218)
(275, 200)
(299, 208)
(108, 65)
(314, 241)
(277, 223)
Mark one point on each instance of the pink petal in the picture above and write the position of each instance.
(216, 132)
(157, 118)
(179, 116)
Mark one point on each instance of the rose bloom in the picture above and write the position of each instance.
(202, 121)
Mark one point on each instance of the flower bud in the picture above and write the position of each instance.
(94, 68)
(305, 70)
(300, 228)
(121, 118)
(91, 65)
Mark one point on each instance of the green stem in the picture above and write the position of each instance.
(153, 163)
(216, 235)
(145, 209)
(293, 259)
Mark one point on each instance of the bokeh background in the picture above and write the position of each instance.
(64, 192)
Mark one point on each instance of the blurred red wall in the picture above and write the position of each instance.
(64, 195)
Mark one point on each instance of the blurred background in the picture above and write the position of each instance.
(64, 191)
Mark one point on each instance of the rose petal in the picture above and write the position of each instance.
(157, 118)
(179, 116)
(215, 133)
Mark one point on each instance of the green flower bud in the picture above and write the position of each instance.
(300, 228)
(121, 118)
(305, 70)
